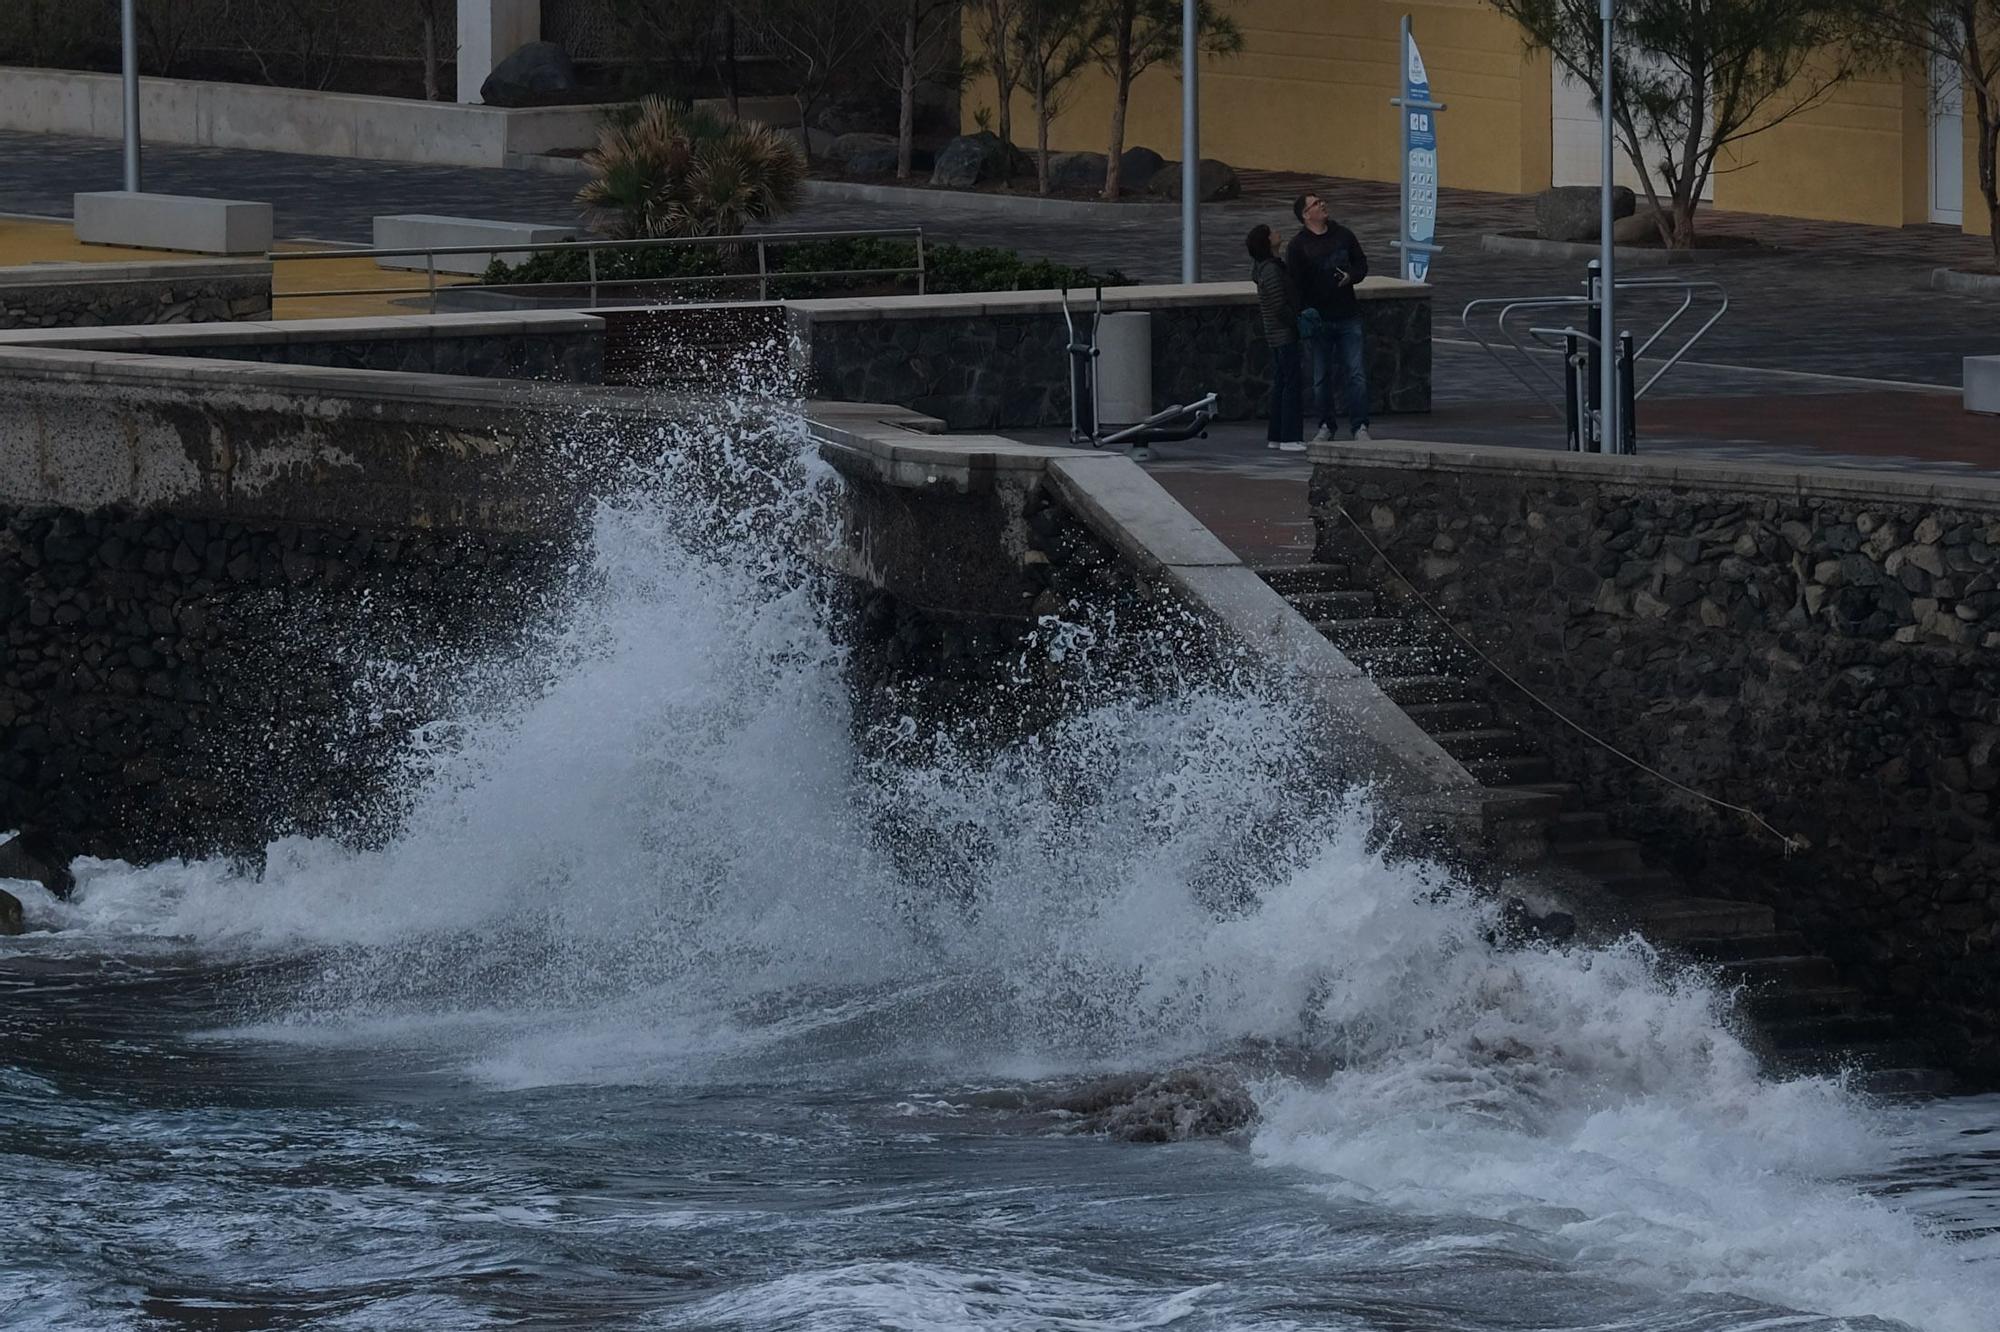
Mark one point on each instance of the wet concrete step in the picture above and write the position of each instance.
(1376, 631)
(1605, 856)
(1885, 1068)
(1827, 1031)
(1677, 918)
(1745, 947)
(1333, 605)
(1402, 659)
(1803, 970)
(1785, 1001)
(1290, 578)
(1578, 825)
(1517, 770)
(1425, 687)
(1640, 883)
(1462, 714)
(1482, 742)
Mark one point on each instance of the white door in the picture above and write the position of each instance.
(1947, 143)
(1579, 142)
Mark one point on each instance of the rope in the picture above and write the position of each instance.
(1792, 842)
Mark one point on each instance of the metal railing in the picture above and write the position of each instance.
(762, 243)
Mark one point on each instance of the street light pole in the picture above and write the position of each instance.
(129, 33)
(1190, 145)
(1609, 439)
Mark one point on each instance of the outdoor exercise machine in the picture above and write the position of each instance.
(1584, 379)
(1185, 421)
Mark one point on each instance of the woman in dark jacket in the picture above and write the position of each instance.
(1278, 308)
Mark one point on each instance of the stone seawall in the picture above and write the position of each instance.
(997, 360)
(191, 291)
(1821, 647)
(228, 590)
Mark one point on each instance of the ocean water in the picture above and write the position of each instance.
(679, 1001)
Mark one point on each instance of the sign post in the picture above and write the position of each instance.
(1416, 236)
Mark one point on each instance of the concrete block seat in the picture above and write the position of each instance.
(1982, 385)
(407, 231)
(172, 222)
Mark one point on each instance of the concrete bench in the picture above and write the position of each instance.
(172, 222)
(407, 231)
(1982, 385)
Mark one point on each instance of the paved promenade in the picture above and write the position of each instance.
(1835, 349)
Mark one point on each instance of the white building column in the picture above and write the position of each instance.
(488, 32)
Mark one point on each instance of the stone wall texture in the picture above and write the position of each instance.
(1821, 648)
(574, 358)
(987, 371)
(201, 293)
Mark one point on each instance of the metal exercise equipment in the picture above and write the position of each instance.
(1586, 376)
(1184, 421)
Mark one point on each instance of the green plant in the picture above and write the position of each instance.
(676, 171)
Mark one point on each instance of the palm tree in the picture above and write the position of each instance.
(668, 171)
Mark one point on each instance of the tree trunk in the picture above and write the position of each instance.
(906, 92)
(730, 86)
(1989, 144)
(805, 105)
(1122, 77)
(1041, 116)
(430, 57)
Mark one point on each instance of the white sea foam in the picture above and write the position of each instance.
(662, 858)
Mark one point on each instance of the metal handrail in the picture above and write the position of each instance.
(762, 241)
(1509, 304)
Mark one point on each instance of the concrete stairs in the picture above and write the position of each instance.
(1792, 999)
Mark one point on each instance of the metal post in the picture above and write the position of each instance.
(128, 22)
(1573, 363)
(1595, 374)
(1190, 142)
(1608, 433)
(1628, 415)
(920, 262)
(590, 257)
(431, 275)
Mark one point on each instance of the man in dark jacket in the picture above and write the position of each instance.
(1326, 263)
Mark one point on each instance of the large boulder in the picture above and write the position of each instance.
(12, 920)
(817, 144)
(1137, 167)
(28, 856)
(864, 154)
(861, 114)
(538, 74)
(973, 159)
(1078, 173)
(1574, 212)
(1168, 1107)
(1642, 228)
(1216, 180)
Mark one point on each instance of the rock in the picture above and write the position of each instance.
(818, 144)
(846, 116)
(972, 159)
(11, 919)
(1137, 167)
(30, 856)
(1642, 228)
(847, 146)
(1217, 181)
(1572, 212)
(1168, 1107)
(538, 74)
(1077, 172)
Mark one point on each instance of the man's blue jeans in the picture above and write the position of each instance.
(1340, 349)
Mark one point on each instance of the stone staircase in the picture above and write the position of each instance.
(1796, 1005)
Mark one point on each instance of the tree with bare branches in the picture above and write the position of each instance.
(1056, 41)
(1693, 78)
(919, 45)
(1962, 35)
(1138, 34)
(996, 25)
(818, 41)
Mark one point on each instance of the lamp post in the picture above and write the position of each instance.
(1608, 437)
(1190, 145)
(128, 22)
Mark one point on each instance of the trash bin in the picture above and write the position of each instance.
(1125, 368)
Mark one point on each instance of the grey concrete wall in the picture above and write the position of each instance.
(95, 295)
(199, 559)
(1822, 647)
(997, 361)
(554, 346)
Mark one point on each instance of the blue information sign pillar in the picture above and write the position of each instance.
(1416, 238)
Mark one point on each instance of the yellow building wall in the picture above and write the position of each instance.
(1849, 158)
(1310, 92)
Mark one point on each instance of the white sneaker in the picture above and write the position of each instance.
(1325, 434)
(1272, 444)
(1291, 446)
(1361, 435)
(1140, 453)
